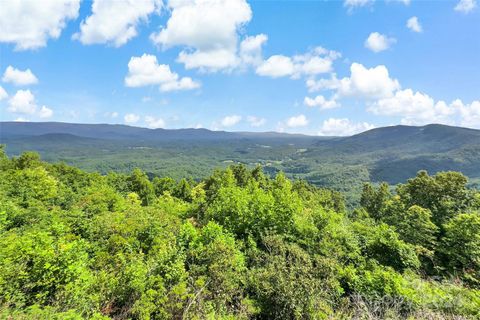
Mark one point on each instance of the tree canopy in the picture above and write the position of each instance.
(236, 245)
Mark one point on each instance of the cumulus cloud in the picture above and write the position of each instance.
(414, 108)
(131, 118)
(3, 94)
(45, 112)
(369, 83)
(145, 71)
(321, 102)
(115, 22)
(19, 77)
(29, 23)
(230, 121)
(470, 113)
(208, 28)
(154, 123)
(251, 49)
(276, 66)
(317, 61)
(378, 42)
(414, 25)
(22, 102)
(343, 127)
(256, 121)
(297, 121)
(466, 6)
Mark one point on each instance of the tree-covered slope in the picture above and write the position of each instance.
(391, 154)
(235, 245)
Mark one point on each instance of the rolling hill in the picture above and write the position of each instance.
(391, 154)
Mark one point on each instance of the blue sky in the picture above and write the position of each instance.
(315, 67)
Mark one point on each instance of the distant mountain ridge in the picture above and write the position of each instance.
(120, 131)
(391, 154)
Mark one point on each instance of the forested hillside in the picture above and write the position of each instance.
(391, 154)
(237, 244)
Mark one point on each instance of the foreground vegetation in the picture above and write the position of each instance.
(236, 245)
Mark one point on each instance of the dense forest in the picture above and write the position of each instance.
(391, 154)
(238, 244)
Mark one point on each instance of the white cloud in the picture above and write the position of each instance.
(251, 49)
(145, 71)
(414, 108)
(22, 102)
(30, 23)
(45, 112)
(208, 28)
(378, 42)
(21, 119)
(154, 123)
(256, 121)
(351, 4)
(414, 25)
(297, 121)
(343, 127)
(321, 102)
(276, 66)
(19, 77)
(112, 115)
(131, 118)
(466, 6)
(370, 83)
(3, 94)
(316, 61)
(185, 83)
(230, 121)
(115, 22)
(470, 113)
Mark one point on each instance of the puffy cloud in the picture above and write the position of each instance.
(414, 25)
(276, 66)
(251, 49)
(321, 102)
(45, 112)
(115, 22)
(470, 113)
(316, 61)
(230, 121)
(343, 127)
(370, 83)
(22, 102)
(131, 118)
(21, 119)
(209, 28)
(19, 77)
(378, 42)
(414, 108)
(3, 94)
(211, 60)
(30, 23)
(297, 121)
(256, 121)
(145, 71)
(466, 6)
(154, 123)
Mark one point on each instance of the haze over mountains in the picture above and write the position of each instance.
(391, 154)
